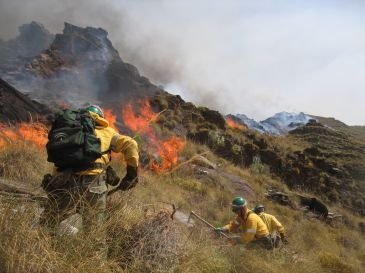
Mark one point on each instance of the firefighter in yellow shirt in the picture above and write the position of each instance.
(81, 194)
(252, 229)
(273, 225)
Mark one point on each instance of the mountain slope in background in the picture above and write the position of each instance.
(356, 132)
(17, 107)
(279, 124)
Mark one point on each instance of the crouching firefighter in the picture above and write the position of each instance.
(253, 231)
(79, 145)
(276, 229)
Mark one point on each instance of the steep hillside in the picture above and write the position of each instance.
(324, 161)
(16, 107)
(339, 153)
(357, 132)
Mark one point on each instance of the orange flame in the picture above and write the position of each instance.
(165, 151)
(35, 133)
(138, 122)
(232, 124)
(110, 117)
(167, 154)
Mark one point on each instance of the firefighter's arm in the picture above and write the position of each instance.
(128, 147)
(232, 226)
(279, 228)
(277, 224)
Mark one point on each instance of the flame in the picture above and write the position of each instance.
(35, 133)
(138, 122)
(165, 152)
(232, 124)
(110, 117)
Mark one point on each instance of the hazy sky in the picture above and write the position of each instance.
(255, 57)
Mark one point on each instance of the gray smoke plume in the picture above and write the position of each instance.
(252, 57)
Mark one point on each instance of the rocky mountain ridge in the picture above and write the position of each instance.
(80, 65)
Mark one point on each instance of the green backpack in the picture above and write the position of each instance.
(72, 143)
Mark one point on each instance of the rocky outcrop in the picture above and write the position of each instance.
(33, 38)
(81, 66)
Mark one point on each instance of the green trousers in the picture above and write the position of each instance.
(77, 204)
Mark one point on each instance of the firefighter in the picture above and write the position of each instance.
(83, 192)
(253, 231)
(273, 225)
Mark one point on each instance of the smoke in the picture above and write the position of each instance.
(251, 57)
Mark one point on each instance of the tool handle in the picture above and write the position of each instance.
(207, 223)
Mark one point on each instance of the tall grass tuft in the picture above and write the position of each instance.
(24, 162)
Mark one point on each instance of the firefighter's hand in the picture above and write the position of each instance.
(46, 181)
(130, 180)
(219, 230)
(283, 239)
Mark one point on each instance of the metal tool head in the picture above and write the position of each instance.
(189, 218)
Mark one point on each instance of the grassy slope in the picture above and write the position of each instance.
(358, 132)
(24, 247)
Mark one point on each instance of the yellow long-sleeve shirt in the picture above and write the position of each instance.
(250, 226)
(272, 223)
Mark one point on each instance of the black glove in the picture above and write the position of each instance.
(46, 182)
(130, 180)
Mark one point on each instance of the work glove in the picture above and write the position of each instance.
(46, 182)
(219, 230)
(283, 239)
(130, 180)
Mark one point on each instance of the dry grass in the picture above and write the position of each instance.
(143, 238)
(24, 162)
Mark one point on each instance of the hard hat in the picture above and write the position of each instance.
(238, 203)
(259, 208)
(96, 109)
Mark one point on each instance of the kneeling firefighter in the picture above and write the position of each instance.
(253, 231)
